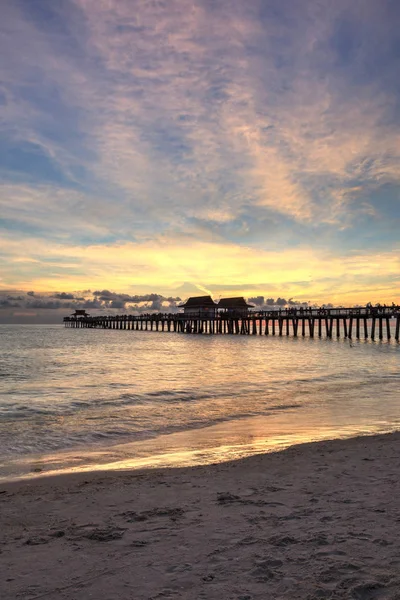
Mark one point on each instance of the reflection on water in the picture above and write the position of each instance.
(219, 443)
(76, 400)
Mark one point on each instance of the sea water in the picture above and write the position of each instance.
(84, 399)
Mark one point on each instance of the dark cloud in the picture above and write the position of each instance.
(115, 300)
(292, 302)
(48, 306)
(64, 296)
(261, 302)
(100, 300)
(281, 302)
(117, 304)
(104, 294)
(258, 300)
(156, 305)
(89, 304)
(40, 303)
(11, 302)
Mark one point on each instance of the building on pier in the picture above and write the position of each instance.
(80, 313)
(237, 307)
(199, 306)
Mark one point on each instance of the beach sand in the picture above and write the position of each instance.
(317, 520)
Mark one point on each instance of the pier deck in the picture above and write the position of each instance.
(376, 323)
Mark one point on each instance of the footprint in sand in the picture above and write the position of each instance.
(139, 543)
(369, 591)
(264, 571)
(36, 541)
(226, 498)
(180, 568)
(172, 513)
(96, 534)
(285, 540)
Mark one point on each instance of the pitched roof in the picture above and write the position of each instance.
(80, 311)
(198, 302)
(234, 303)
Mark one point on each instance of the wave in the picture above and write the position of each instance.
(50, 440)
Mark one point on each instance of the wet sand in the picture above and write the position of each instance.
(318, 520)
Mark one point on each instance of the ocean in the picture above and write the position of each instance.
(76, 400)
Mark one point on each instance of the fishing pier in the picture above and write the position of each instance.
(359, 323)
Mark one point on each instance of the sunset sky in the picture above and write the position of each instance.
(178, 147)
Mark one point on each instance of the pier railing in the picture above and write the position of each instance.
(374, 322)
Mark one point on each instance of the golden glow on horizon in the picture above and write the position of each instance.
(229, 269)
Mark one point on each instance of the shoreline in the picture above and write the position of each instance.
(317, 520)
(232, 439)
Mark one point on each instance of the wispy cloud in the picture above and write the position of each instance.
(246, 128)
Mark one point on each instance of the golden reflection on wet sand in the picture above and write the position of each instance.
(226, 441)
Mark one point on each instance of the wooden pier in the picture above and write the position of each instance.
(374, 323)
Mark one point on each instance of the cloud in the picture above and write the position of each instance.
(64, 296)
(10, 302)
(41, 305)
(265, 136)
(258, 300)
(115, 300)
(281, 302)
(220, 115)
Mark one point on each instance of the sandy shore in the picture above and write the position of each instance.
(315, 521)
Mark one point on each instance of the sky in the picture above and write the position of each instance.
(167, 148)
